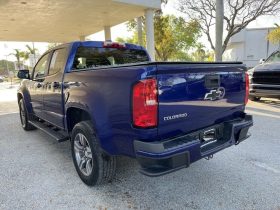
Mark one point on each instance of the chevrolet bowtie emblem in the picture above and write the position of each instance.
(215, 94)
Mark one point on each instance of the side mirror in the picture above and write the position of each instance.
(262, 61)
(23, 74)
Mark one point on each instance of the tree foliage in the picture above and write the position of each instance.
(3, 67)
(20, 56)
(200, 54)
(238, 14)
(274, 35)
(173, 37)
(30, 50)
(52, 45)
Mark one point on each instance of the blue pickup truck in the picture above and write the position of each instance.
(110, 99)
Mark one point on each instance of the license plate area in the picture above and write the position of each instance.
(212, 138)
(208, 137)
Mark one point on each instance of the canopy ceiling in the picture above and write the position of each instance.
(65, 20)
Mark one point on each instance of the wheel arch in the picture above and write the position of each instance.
(19, 96)
(84, 113)
(75, 115)
(24, 95)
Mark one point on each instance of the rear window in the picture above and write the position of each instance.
(91, 57)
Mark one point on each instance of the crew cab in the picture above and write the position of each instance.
(265, 78)
(110, 99)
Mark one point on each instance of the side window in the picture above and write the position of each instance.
(41, 67)
(58, 61)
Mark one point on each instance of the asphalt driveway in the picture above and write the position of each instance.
(38, 173)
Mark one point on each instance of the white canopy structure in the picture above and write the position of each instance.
(69, 20)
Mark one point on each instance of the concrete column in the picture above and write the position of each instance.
(219, 30)
(107, 33)
(82, 38)
(150, 34)
(140, 31)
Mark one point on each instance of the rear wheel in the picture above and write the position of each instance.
(254, 98)
(24, 117)
(92, 164)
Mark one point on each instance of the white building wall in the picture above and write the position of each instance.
(249, 46)
(235, 52)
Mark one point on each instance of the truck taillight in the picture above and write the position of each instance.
(247, 88)
(145, 104)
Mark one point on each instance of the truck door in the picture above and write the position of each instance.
(53, 89)
(36, 84)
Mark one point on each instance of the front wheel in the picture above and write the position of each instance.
(24, 117)
(92, 164)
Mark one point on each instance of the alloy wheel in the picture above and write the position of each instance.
(83, 154)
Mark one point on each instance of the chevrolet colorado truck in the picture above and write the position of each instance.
(265, 78)
(110, 99)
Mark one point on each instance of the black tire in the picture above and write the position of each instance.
(103, 166)
(254, 98)
(24, 117)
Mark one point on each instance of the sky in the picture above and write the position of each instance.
(6, 48)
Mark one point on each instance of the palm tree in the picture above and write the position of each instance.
(31, 50)
(19, 55)
(199, 54)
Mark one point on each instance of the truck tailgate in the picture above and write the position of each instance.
(194, 96)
